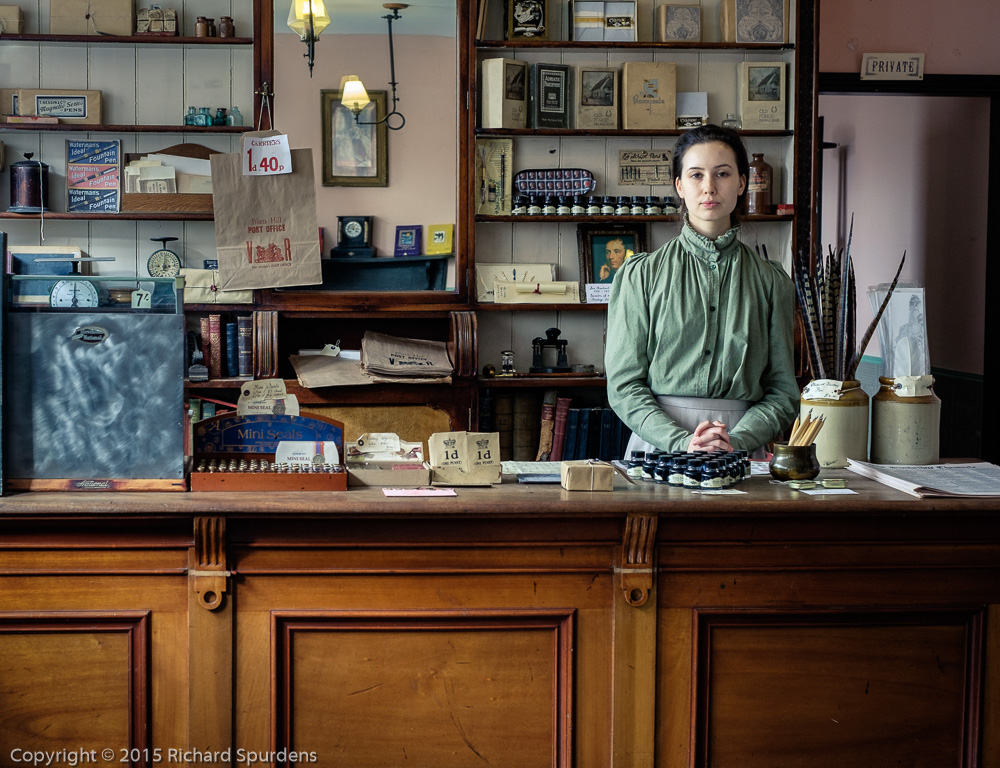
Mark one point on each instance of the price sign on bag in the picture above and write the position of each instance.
(266, 155)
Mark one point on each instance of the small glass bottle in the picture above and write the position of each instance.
(235, 117)
(677, 466)
(670, 206)
(549, 206)
(711, 476)
(638, 205)
(607, 205)
(578, 207)
(649, 466)
(220, 116)
(201, 27)
(759, 186)
(731, 121)
(204, 117)
(191, 116)
(634, 467)
(534, 205)
(661, 472)
(519, 205)
(692, 474)
(653, 207)
(211, 27)
(226, 27)
(562, 205)
(623, 205)
(594, 205)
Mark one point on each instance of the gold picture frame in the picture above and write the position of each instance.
(355, 154)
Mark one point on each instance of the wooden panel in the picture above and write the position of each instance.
(442, 689)
(73, 681)
(823, 690)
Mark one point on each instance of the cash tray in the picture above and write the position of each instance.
(554, 181)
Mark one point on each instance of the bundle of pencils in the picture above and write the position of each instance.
(806, 432)
(829, 303)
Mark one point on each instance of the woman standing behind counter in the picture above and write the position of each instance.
(699, 350)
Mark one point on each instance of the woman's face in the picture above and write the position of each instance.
(710, 186)
(614, 252)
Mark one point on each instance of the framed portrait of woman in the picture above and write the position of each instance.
(354, 151)
(603, 250)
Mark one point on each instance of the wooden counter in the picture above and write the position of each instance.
(517, 626)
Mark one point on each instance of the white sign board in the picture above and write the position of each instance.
(892, 66)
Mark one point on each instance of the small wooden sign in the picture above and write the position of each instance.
(892, 66)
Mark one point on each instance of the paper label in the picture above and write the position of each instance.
(467, 451)
(306, 452)
(141, 299)
(281, 406)
(266, 155)
(261, 388)
(378, 442)
(913, 386)
(598, 293)
(823, 389)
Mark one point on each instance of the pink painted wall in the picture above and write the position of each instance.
(422, 155)
(958, 37)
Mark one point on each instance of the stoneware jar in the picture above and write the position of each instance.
(906, 421)
(844, 407)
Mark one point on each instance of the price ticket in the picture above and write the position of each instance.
(266, 155)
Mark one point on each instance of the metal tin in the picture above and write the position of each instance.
(29, 186)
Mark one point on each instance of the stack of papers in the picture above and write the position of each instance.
(167, 174)
(386, 355)
(978, 478)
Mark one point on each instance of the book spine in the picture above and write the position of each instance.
(582, 435)
(606, 451)
(215, 346)
(244, 344)
(503, 423)
(572, 427)
(526, 427)
(547, 430)
(594, 434)
(232, 353)
(206, 342)
(559, 428)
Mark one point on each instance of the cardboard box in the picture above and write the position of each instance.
(8, 101)
(762, 96)
(69, 105)
(649, 95)
(619, 21)
(91, 17)
(586, 475)
(596, 98)
(11, 19)
(746, 23)
(398, 476)
(504, 93)
(588, 20)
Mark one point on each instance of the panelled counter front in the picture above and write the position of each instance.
(520, 625)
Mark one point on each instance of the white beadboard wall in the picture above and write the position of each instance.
(140, 84)
(715, 72)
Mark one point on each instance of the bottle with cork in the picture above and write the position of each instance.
(759, 186)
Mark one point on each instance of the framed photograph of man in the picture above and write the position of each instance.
(355, 153)
(604, 249)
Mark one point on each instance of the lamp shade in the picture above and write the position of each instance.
(298, 17)
(353, 93)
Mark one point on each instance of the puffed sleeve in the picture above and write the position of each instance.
(627, 355)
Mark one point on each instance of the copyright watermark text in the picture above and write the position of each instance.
(71, 758)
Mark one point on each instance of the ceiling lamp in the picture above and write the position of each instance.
(355, 97)
(308, 18)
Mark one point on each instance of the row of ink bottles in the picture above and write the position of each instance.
(202, 116)
(693, 470)
(592, 205)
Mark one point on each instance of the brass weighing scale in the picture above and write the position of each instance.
(94, 386)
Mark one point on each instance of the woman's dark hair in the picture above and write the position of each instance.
(705, 134)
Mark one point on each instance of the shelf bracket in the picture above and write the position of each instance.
(636, 567)
(207, 572)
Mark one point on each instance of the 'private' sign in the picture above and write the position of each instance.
(892, 66)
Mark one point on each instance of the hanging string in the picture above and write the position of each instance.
(41, 202)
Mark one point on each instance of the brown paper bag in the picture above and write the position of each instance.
(265, 226)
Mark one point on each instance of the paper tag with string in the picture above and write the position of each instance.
(266, 155)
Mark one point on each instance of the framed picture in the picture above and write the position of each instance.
(527, 20)
(604, 249)
(439, 238)
(354, 154)
(409, 240)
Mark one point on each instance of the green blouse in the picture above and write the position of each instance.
(699, 318)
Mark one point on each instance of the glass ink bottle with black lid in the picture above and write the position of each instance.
(677, 466)
(692, 474)
(711, 476)
(594, 205)
(578, 206)
(661, 473)
(623, 205)
(634, 466)
(649, 465)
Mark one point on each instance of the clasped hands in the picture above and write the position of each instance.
(710, 436)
